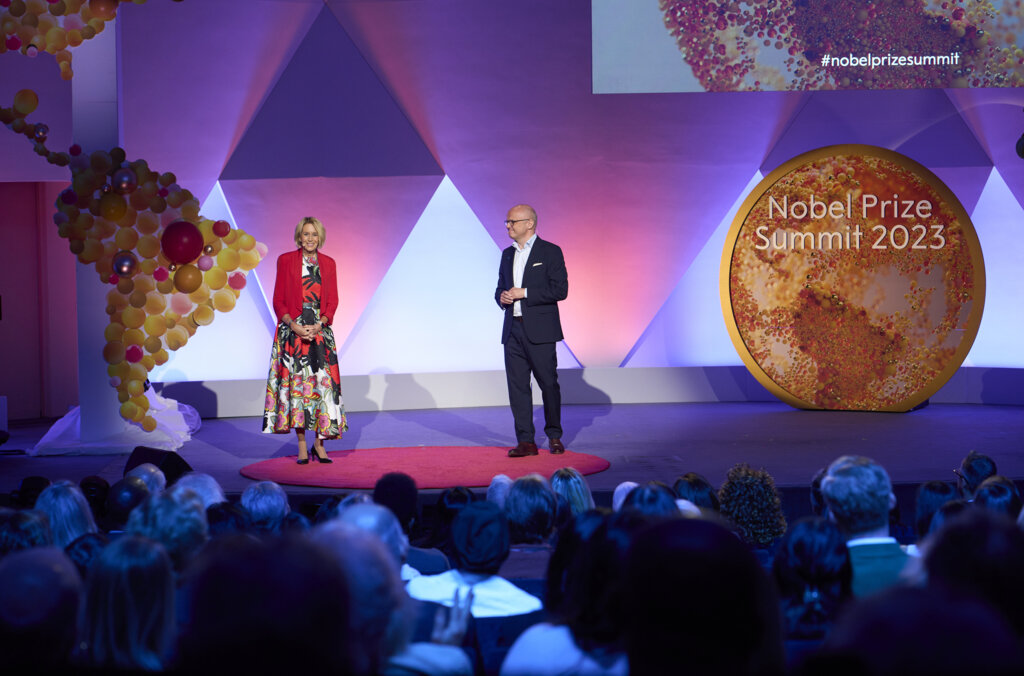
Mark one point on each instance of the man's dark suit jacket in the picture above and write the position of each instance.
(546, 282)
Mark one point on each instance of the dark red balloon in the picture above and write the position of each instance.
(182, 242)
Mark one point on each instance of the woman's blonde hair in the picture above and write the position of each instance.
(321, 232)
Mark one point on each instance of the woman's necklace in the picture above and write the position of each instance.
(310, 259)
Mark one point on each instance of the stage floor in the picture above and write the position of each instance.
(641, 441)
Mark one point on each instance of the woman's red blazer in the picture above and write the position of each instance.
(288, 292)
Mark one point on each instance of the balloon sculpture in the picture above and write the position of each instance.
(53, 26)
(169, 268)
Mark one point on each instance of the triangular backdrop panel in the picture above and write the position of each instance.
(195, 73)
(689, 329)
(367, 220)
(434, 311)
(329, 115)
(1002, 244)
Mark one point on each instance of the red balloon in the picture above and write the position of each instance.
(182, 242)
(221, 228)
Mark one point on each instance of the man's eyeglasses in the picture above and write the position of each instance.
(510, 223)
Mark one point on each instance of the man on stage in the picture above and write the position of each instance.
(531, 281)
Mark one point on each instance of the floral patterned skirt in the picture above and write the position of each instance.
(304, 384)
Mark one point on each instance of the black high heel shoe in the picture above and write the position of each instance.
(302, 461)
(324, 459)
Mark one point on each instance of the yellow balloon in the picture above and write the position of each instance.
(113, 332)
(135, 387)
(187, 278)
(122, 370)
(133, 317)
(148, 266)
(153, 344)
(216, 278)
(148, 423)
(200, 295)
(137, 298)
(166, 286)
(123, 397)
(25, 101)
(144, 284)
(148, 362)
(203, 315)
(246, 242)
(224, 300)
(137, 372)
(249, 259)
(190, 211)
(148, 246)
(133, 337)
(112, 206)
(125, 285)
(91, 252)
(126, 238)
(148, 222)
(128, 220)
(155, 303)
(129, 410)
(228, 258)
(113, 352)
(176, 338)
(160, 357)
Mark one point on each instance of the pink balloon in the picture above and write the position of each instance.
(133, 353)
(236, 281)
(161, 273)
(204, 263)
(181, 304)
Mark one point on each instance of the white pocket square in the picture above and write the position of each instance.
(536, 264)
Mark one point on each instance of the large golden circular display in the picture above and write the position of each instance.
(852, 279)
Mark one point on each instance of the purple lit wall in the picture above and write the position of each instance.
(410, 127)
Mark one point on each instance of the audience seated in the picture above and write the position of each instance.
(39, 603)
(124, 496)
(398, 492)
(584, 601)
(980, 554)
(698, 490)
(203, 485)
(22, 529)
(498, 489)
(384, 525)
(152, 475)
(96, 489)
(751, 503)
(906, 630)
(267, 504)
(179, 526)
(67, 511)
(620, 493)
(480, 536)
(268, 607)
(128, 619)
(818, 506)
(812, 574)
(570, 484)
(227, 518)
(531, 508)
(931, 495)
(945, 513)
(697, 602)
(654, 499)
(859, 496)
(998, 494)
(449, 502)
(84, 550)
(974, 469)
(29, 489)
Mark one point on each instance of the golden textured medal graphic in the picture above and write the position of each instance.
(852, 279)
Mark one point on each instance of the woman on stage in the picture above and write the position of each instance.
(304, 385)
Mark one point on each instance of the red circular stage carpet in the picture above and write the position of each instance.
(430, 466)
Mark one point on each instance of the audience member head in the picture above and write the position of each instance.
(695, 488)
(530, 507)
(586, 576)
(151, 474)
(68, 512)
(859, 496)
(480, 538)
(84, 549)
(379, 607)
(354, 498)
(974, 469)
(818, 506)
(930, 496)
(96, 489)
(653, 499)
(750, 502)
(451, 500)
(498, 489)
(267, 503)
(693, 591)
(946, 513)
(252, 603)
(571, 485)
(179, 526)
(998, 494)
(39, 601)
(295, 522)
(620, 493)
(22, 529)
(980, 554)
(128, 620)
(124, 496)
(328, 509)
(381, 522)
(812, 573)
(908, 630)
(398, 492)
(227, 518)
(204, 486)
(29, 489)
